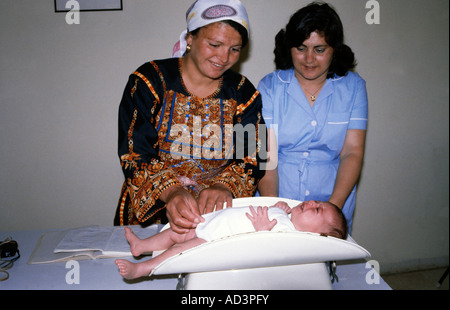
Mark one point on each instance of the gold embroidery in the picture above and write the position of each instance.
(241, 108)
(131, 130)
(133, 90)
(203, 150)
(160, 74)
(195, 128)
(150, 86)
(241, 82)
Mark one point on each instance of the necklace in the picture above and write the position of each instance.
(313, 96)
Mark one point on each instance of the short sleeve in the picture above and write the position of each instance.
(359, 115)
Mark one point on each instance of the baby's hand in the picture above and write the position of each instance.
(260, 219)
(283, 206)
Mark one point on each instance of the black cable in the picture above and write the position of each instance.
(9, 253)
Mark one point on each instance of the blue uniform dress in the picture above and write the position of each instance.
(310, 140)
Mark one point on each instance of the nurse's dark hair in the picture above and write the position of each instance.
(320, 17)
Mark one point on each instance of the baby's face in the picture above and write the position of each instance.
(313, 216)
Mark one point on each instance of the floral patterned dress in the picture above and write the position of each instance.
(168, 137)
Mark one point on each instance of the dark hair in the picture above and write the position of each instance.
(339, 229)
(318, 17)
(238, 27)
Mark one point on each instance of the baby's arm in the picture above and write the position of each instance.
(283, 206)
(260, 219)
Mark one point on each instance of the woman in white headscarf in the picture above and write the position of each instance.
(176, 121)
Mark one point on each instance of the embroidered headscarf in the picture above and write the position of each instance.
(205, 12)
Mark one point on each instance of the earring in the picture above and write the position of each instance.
(188, 49)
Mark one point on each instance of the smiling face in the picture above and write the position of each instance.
(313, 58)
(214, 49)
(316, 217)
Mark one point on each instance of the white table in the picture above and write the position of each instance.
(102, 274)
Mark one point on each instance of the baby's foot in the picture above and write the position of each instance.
(130, 270)
(134, 241)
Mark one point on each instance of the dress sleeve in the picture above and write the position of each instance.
(243, 171)
(146, 176)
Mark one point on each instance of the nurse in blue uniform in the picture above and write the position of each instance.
(316, 112)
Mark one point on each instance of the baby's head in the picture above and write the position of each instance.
(319, 217)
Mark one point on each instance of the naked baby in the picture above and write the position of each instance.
(309, 216)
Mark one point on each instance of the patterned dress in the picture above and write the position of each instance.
(168, 137)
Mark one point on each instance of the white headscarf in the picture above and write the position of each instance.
(205, 12)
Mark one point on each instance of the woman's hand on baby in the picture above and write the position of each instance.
(214, 198)
(260, 219)
(182, 210)
(283, 206)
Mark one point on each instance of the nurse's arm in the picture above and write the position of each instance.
(350, 166)
(268, 184)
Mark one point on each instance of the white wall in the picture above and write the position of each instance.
(60, 86)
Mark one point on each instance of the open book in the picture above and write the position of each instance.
(89, 242)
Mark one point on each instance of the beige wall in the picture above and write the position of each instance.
(60, 86)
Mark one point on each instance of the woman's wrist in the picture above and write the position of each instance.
(169, 192)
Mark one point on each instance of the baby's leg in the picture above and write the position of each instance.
(158, 242)
(131, 270)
